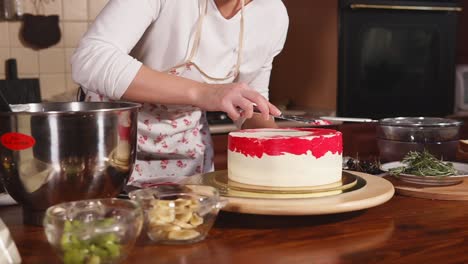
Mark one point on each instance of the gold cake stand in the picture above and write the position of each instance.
(356, 191)
(229, 188)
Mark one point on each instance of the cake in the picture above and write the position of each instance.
(292, 157)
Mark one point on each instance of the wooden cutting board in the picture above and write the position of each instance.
(376, 191)
(453, 192)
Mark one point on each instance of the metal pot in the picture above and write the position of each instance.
(397, 136)
(57, 152)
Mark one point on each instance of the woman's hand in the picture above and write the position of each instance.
(236, 99)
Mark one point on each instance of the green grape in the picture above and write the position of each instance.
(102, 248)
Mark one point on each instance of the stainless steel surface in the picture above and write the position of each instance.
(297, 118)
(348, 119)
(82, 150)
(407, 7)
(323, 119)
(418, 129)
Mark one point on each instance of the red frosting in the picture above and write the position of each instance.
(323, 140)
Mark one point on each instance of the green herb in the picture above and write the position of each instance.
(424, 164)
(98, 249)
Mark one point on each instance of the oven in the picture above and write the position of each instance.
(396, 58)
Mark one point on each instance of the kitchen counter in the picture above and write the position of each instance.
(403, 230)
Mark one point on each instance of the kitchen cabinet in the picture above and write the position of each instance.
(305, 73)
(359, 140)
(220, 150)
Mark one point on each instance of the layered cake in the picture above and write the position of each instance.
(293, 157)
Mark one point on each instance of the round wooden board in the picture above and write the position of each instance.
(452, 192)
(376, 191)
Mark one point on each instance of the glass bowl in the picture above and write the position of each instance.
(419, 129)
(178, 214)
(93, 231)
(390, 150)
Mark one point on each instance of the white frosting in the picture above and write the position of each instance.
(287, 170)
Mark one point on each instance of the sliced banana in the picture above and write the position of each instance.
(174, 219)
(165, 216)
(157, 223)
(183, 234)
(168, 228)
(194, 205)
(163, 203)
(184, 216)
(182, 202)
(196, 220)
(184, 225)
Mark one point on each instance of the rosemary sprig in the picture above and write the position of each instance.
(424, 164)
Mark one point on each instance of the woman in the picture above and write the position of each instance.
(181, 58)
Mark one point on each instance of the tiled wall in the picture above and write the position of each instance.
(52, 65)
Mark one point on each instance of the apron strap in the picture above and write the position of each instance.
(241, 38)
(196, 41)
(196, 45)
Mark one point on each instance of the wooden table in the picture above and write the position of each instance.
(403, 230)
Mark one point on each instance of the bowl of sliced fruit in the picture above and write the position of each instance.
(93, 231)
(178, 214)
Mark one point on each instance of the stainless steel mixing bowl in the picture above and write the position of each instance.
(57, 152)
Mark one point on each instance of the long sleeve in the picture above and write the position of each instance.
(102, 63)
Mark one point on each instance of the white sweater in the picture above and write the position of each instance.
(158, 33)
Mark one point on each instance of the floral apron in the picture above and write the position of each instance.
(174, 140)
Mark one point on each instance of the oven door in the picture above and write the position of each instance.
(396, 60)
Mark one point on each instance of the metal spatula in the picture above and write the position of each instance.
(348, 119)
(304, 119)
(296, 118)
(322, 121)
(325, 120)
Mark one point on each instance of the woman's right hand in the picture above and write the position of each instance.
(236, 99)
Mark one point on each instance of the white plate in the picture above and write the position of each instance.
(429, 180)
(462, 168)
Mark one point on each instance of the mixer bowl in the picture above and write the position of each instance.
(58, 152)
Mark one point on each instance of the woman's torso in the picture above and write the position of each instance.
(174, 140)
(168, 40)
